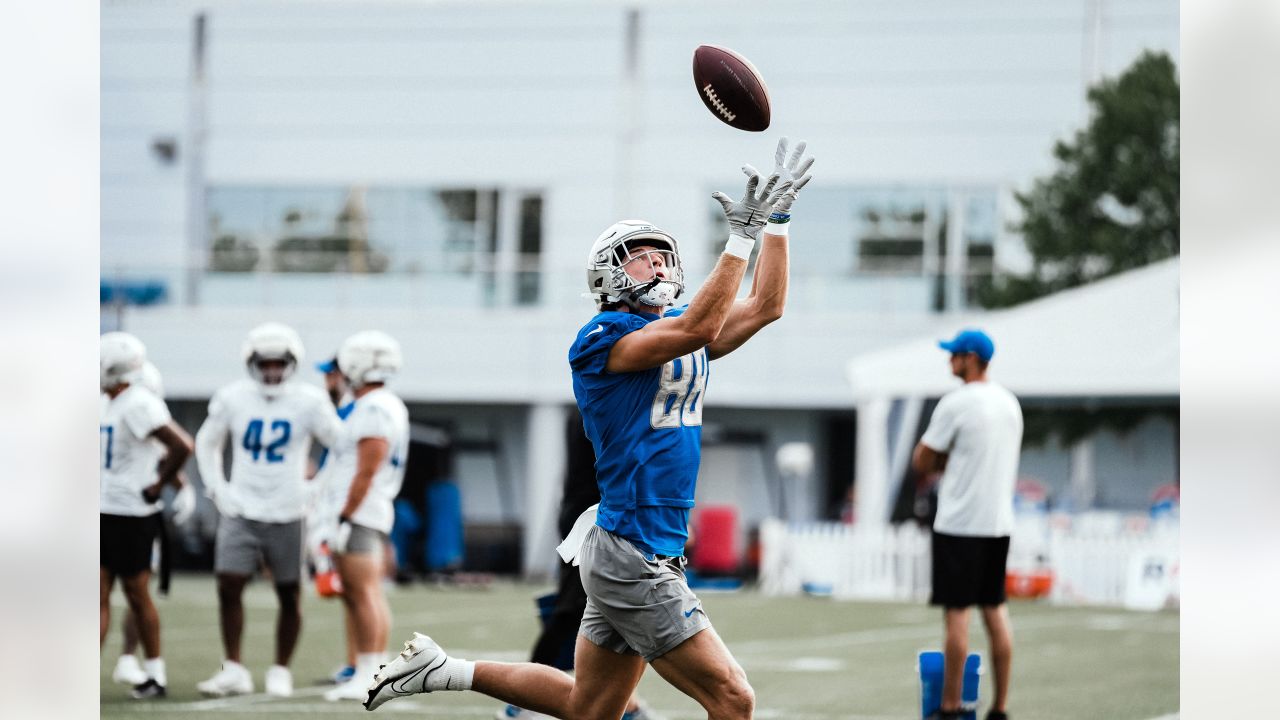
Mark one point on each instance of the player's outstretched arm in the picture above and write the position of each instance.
(699, 325)
(768, 297)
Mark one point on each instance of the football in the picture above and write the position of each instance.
(731, 88)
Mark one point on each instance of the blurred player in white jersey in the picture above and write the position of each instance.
(325, 508)
(134, 471)
(367, 471)
(271, 422)
(128, 670)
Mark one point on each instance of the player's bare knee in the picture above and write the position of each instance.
(230, 588)
(136, 594)
(289, 598)
(596, 708)
(735, 698)
(732, 697)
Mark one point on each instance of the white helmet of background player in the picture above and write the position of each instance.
(607, 280)
(268, 343)
(369, 356)
(120, 359)
(150, 379)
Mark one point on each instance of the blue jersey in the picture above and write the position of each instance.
(646, 428)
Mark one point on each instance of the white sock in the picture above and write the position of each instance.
(155, 670)
(457, 675)
(232, 664)
(367, 666)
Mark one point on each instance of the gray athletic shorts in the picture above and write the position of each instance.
(243, 544)
(365, 541)
(635, 606)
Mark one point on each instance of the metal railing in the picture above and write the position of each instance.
(479, 280)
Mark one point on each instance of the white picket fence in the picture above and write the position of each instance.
(890, 563)
(1092, 563)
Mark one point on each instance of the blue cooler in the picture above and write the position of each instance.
(930, 666)
(444, 532)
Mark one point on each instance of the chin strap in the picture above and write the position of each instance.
(632, 297)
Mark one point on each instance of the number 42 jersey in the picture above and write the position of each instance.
(646, 428)
(270, 442)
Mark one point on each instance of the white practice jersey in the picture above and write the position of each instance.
(979, 426)
(270, 443)
(129, 454)
(380, 414)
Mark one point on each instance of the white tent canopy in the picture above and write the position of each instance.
(1117, 337)
(1112, 338)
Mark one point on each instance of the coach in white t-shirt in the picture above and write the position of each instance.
(974, 439)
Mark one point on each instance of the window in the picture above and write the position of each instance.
(886, 247)
(481, 243)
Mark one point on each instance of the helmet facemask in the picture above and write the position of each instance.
(271, 371)
(272, 344)
(643, 248)
(644, 259)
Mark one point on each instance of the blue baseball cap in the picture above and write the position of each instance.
(970, 341)
(328, 366)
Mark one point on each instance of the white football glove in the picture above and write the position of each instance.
(319, 532)
(794, 171)
(342, 536)
(747, 216)
(183, 504)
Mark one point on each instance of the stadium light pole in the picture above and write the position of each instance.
(195, 162)
(629, 105)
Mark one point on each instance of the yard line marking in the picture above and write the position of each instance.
(422, 617)
(877, 635)
(234, 701)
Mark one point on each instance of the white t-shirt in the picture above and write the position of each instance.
(271, 439)
(129, 455)
(380, 414)
(979, 426)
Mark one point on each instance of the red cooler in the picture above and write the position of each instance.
(715, 539)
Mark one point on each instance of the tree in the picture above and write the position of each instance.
(1112, 204)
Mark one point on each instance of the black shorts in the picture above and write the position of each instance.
(968, 570)
(125, 542)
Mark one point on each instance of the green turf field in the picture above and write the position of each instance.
(808, 658)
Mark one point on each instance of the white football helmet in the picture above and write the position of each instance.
(150, 379)
(120, 359)
(369, 356)
(608, 281)
(272, 341)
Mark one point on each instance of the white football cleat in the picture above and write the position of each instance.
(128, 671)
(279, 681)
(232, 679)
(422, 667)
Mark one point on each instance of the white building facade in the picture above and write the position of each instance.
(438, 170)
